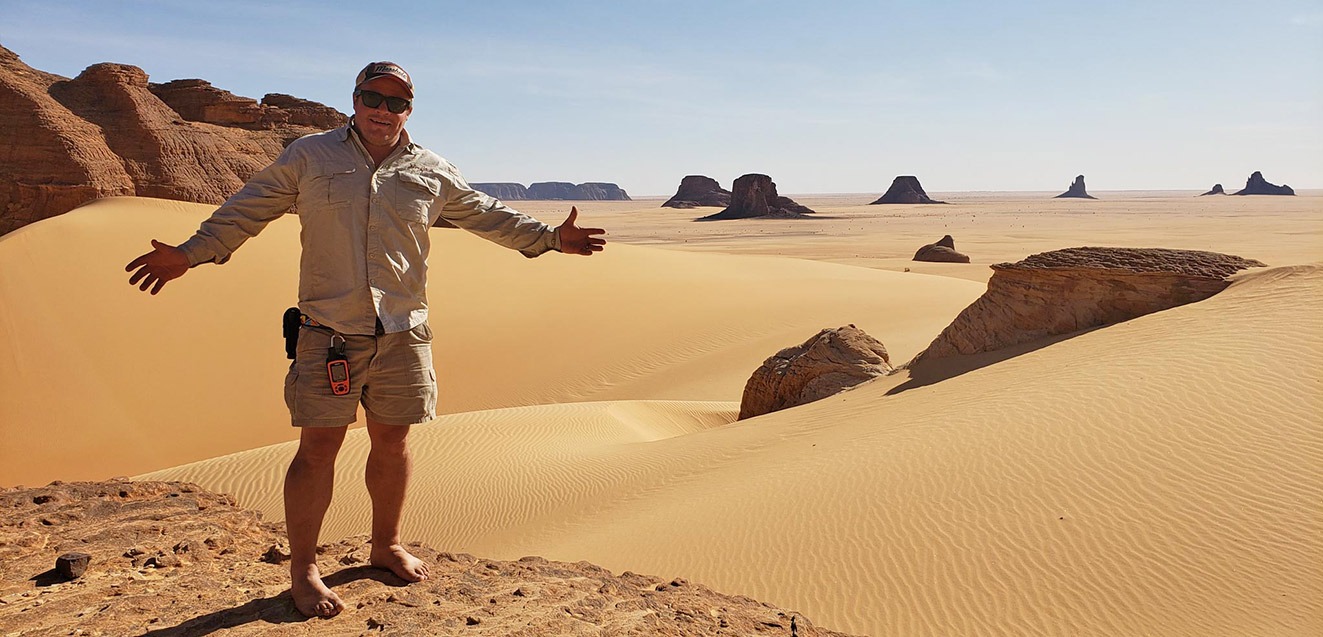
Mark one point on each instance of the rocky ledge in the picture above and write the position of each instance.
(1065, 291)
(169, 558)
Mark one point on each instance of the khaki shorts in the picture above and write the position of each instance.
(390, 374)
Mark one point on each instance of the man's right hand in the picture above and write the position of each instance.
(155, 268)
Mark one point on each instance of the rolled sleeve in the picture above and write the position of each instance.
(491, 219)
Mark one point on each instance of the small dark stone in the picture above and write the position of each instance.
(71, 566)
(42, 499)
(472, 621)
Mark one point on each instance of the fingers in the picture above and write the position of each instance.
(142, 272)
(142, 260)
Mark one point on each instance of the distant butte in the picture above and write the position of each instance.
(1076, 190)
(1257, 185)
(554, 190)
(1217, 190)
(905, 189)
(754, 196)
(698, 190)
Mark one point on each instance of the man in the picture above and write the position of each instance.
(366, 196)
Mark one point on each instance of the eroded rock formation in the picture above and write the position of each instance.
(65, 142)
(1076, 190)
(508, 191)
(832, 360)
(941, 252)
(753, 196)
(698, 190)
(905, 189)
(198, 101)
(1217, 190)
(171, 558)
(1065, 291)
(1257, 185)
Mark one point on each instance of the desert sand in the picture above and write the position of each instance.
(1160, 476)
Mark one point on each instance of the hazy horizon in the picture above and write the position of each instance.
(837, 99)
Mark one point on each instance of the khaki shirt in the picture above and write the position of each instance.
(364, 231)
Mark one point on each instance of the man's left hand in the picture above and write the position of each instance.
(576, 240)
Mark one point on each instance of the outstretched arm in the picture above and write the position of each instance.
(156, 268)
(576, 240)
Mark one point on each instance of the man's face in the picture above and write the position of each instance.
(378, 126)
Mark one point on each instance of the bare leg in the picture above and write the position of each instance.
(389, 466)
(308, 486)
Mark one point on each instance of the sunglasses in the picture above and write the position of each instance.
(373, 99)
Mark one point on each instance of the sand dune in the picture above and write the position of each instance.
(1155, 477)
(101, 380)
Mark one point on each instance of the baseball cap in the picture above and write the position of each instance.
(384, 69)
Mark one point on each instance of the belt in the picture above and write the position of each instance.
(308, 321)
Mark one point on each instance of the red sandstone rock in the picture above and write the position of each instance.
(1065, 291)
(104, 133)
(831, 361)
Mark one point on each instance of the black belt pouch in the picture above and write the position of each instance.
(290, 325)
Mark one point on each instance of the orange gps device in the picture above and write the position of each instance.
(337, 367)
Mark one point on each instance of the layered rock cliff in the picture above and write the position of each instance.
(110, 132)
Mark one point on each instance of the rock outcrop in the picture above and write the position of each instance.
(905, 189)
(1076, 190)
(698, 190)
(1065, 291)
(173, 559)
(198, 101)
(1217, 190)
(941, 252)
(65, 142)
(1257, 185)
(754, 196)
(831, 361)
(588, 191)
(508, 191)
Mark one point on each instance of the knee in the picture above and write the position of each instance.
(318, 450)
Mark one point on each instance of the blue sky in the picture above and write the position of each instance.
(824, 97)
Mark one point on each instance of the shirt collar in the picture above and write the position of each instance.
(345, 131)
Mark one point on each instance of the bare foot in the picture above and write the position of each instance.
(311, 596)
(399, 562)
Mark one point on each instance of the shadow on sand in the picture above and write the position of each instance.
(278, 609)
(927, 372)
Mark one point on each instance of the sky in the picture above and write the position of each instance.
(825, 97)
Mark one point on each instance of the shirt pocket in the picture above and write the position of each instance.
(333, 188)
(414, 194)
